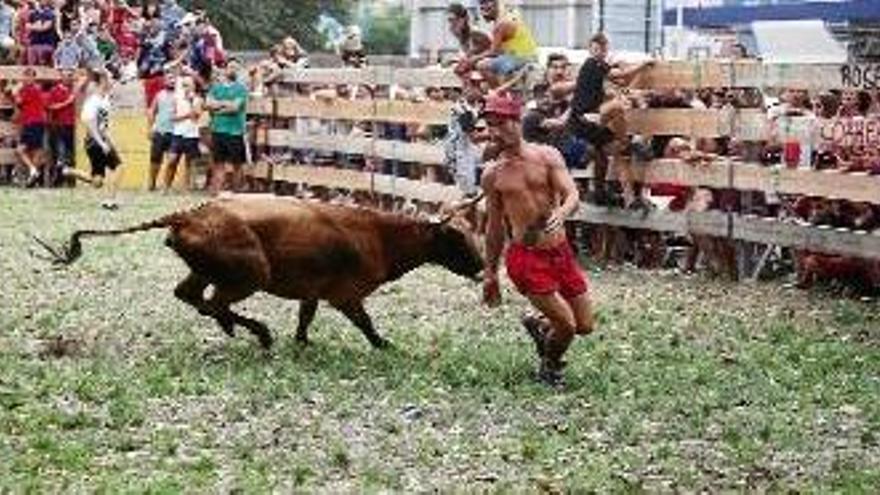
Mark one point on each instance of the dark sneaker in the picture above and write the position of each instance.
(537, 331)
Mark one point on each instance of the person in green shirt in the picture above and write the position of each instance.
(227, 102)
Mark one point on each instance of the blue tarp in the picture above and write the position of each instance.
(848, 11)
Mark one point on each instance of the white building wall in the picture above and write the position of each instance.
(556, 23)
(626, 23)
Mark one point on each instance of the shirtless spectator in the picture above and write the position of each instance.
(602, 121)
(471, 41)
(529, 190)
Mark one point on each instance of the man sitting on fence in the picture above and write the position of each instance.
(513, 47)
(601, 121)
(471, 41)
(529, 189)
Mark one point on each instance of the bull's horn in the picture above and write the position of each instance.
(470, 203)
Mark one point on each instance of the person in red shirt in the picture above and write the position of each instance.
(31, 104)
(61, 106)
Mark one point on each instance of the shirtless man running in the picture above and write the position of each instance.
(529, 189)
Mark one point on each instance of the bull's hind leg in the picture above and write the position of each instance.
(220, 304)
(355, 312)
(192, 291)
(307, 309)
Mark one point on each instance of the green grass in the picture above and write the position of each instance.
(689, 385)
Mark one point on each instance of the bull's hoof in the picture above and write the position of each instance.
(381, 344)
(302, 340)
(266, 341)
(227, 326)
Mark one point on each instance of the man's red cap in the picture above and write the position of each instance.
(503, 105)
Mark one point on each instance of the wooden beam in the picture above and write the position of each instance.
(262, 105)
(664, 75)
(16, 73)
(809, 237)
(362, 181)
(380, 148)
(744, 124)
(729, 174)
(8, 129)
(429, 113)
(748, 125)
(8, 156)
(753, 74)
(745, 228)
(374, 76)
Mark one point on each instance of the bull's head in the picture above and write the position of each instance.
(455, 245)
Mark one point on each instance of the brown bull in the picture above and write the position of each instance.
(298, 250)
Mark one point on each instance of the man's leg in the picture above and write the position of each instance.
(218, 177)
(157, 153)
(559, 337)
(600, 175)
(612, 115)
(171, 170)
(237, 177)
(582, 309)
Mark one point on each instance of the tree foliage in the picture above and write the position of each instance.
(246, 24)
(387, 32)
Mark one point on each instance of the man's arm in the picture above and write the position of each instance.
(563, 184)
(494, 237)
(624, 77)
(229, 107)
(563, 89)
(151, 114)
(69, 101)
(500, 34)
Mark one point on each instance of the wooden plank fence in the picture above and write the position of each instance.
(718, 172)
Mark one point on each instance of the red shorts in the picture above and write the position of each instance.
(540, 271)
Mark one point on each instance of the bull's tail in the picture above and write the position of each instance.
(68, 254)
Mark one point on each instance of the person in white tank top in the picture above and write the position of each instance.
(160, 118)
(185, 135)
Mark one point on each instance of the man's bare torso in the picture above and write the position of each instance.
(528, 196)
